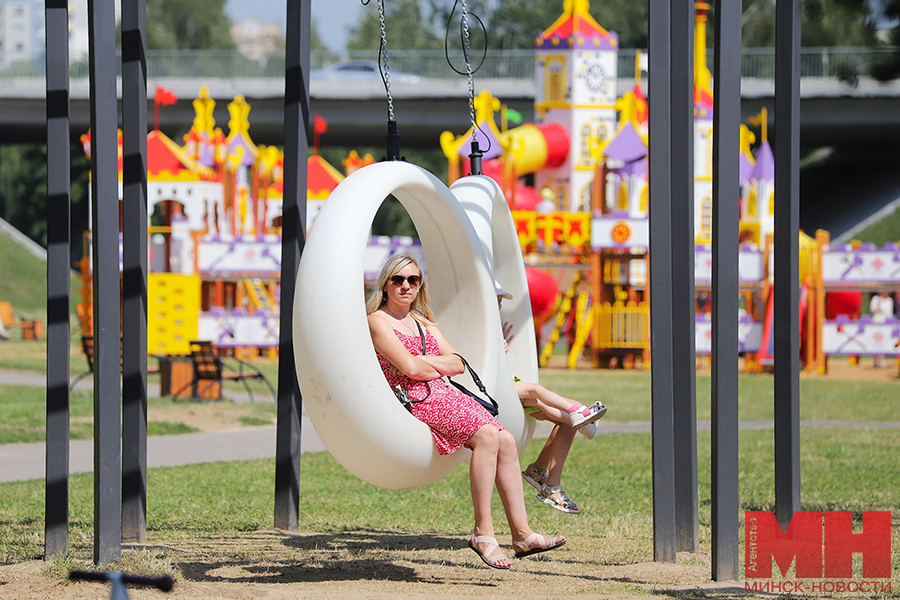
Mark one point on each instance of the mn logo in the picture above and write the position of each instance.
(823, 544)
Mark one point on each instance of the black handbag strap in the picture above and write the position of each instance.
(427, 385)
(475, 378)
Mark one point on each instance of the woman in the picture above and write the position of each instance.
(400, 317)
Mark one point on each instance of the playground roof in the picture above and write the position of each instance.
(627, 145)
(765, 164)
(321, 178)
(576, 28)
(166, 160)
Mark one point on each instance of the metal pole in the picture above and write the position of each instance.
(56, 526)
(787, 249)
(293, 227)
(134, 272)
(661, 328)
(725, 291)
(687, 528)
(107, 309)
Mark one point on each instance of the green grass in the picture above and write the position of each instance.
(627, 394)
(23, 278)
(23, 415)
(883, 231)
(609, 477)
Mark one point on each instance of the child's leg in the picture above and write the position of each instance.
(536, 391)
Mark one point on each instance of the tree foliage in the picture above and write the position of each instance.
(188, 25)
(516, 23)
(23, 187)
(407, 26)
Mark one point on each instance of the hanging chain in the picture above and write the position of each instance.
(385, 64)
(468, 57)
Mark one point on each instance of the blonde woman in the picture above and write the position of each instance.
(400, 316)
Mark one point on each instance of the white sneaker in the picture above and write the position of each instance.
(595, 412)
(589, 431)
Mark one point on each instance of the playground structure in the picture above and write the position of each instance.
(586, 216)
(214, 206)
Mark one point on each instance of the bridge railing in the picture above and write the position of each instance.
(847, 64)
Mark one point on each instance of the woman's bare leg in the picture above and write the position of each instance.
(509, 484)
(485, 444)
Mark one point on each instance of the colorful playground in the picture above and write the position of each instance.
(576, 184)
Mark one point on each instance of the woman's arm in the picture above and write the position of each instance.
(447, 363)
(389, 346)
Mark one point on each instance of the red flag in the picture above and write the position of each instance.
(165, 96)
(320, 126)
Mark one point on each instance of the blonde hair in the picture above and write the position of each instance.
(420, 309)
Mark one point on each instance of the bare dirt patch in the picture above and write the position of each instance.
(206, 416)
(386, 564)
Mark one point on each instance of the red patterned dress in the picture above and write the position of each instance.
(452, 416)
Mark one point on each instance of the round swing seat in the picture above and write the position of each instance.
(345, 394)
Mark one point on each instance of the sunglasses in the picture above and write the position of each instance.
(414, 280)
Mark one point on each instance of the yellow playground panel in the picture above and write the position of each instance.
(173, 308)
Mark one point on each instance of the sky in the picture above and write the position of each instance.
(332, 17)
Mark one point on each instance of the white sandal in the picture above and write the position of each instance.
(544, 544)
(491, 560)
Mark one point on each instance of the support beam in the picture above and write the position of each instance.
(787, 249)
(134, 273)
(684, 368)
(59, 216)
(725, 291)
(107, 310)
(293, 227)
(661, 332)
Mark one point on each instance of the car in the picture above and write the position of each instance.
(360, 70)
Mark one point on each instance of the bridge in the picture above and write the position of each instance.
(841, 103)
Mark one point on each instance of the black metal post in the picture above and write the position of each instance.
(293, 227)
(56, 524)
(787, 249)
(661, 327)
(687, 528)
(134, 271)
(107, 309)
(725, 290)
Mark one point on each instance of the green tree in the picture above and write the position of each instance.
(188, 25)
(406, 26)
(516, 23)
(23, 187)
(823, 23)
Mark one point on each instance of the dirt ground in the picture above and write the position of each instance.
(387, 565)
(377, 565)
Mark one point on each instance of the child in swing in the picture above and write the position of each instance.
(400, 318)
(569, 417)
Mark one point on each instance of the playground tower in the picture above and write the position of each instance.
(575, 72)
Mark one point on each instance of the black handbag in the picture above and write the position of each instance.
(490, 404)
(403, 393)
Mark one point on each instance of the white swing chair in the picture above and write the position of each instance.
(345, 394)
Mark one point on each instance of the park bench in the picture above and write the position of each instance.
(210, 371)
(87, 346)
(32, 329)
